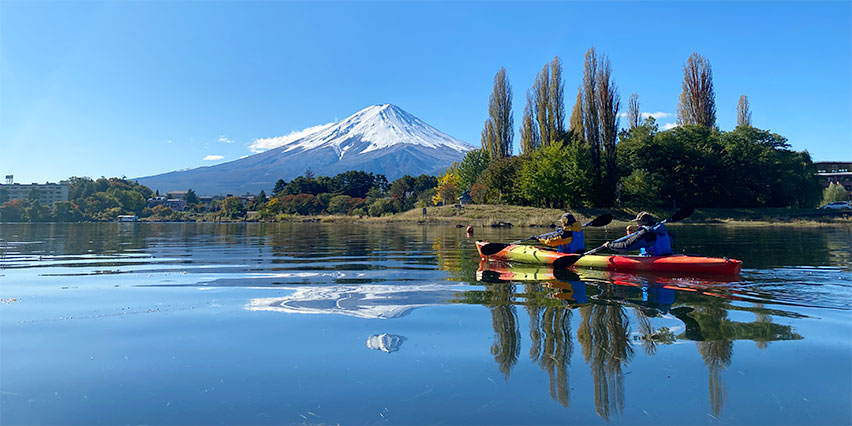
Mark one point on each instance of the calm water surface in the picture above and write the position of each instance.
(354, 324)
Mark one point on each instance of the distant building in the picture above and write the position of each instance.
(835, 172)
(128, 218)
(465, 198)
(48, 193)
(176, 194)
(172, 203)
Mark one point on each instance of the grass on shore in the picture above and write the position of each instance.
(502, 215)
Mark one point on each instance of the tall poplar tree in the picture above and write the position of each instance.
(591, 122)
(498, 131)
(697, 103)
(530, 139)
(575, 123)
(541, 98)
(634, 117)
(608, 104)
(743, 112)
(556, 100)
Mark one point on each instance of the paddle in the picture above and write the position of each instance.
(492, 248)
(678, 216)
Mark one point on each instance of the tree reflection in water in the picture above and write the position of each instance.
(555, 355)
(507, 338)
(604, 333)
(702, 305)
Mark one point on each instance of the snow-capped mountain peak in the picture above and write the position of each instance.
(373, 128)
(382, 139)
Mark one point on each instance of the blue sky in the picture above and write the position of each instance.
(140, 88)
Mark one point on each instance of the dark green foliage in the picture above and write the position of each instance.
(499, 177)
(4, 195)
(746, 167)
(190, 197)
(232, 208)
(473, 164)
(304, 204)
(279, 186)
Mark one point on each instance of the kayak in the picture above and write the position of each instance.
(673, 263)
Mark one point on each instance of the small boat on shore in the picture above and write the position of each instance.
(677, 263)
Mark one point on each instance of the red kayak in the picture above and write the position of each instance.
(672, 263)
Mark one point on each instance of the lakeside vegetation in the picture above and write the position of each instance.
(584, 162)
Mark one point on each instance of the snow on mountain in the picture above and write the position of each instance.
(382, 139)
(375, 127)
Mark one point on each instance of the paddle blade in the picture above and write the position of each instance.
(682, 214)
(490, 249)
(563, 262)
(601, 220)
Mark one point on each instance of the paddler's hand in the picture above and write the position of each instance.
(606, 244)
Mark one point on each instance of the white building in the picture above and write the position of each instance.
(48, 193)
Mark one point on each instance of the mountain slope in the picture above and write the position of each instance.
(382, 139)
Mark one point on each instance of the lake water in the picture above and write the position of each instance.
(400, 324)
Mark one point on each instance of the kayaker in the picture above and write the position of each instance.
(568, 238)
(652, 238)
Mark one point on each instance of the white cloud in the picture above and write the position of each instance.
(265, 144)
(669, 126)
(225, 140)
(657, 115)
(169, 141)
(213, 157)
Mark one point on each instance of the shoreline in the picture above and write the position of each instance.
(533, 217)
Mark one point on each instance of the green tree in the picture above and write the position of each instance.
(834, 192)
(279, 186)
(500, 177)
(65, 211)
(473, 164)
(232, 208)
(639, 189)
(340, 204)
(190, 197)
(555, 176)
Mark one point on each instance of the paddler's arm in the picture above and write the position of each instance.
(634, 241)
(560, 237)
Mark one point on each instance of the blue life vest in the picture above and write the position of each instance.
(662, 245)
(577, 245)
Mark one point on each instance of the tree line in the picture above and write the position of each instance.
(348, 193)
(588, 160)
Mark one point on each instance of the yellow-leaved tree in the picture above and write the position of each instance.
(448, 186)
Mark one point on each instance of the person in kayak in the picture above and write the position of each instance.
(651, 239)
(568, 238)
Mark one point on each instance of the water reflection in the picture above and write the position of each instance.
(602, 299)
(386, 272)
(362, 301)
(385, 342)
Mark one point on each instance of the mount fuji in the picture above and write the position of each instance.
(381, 139)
